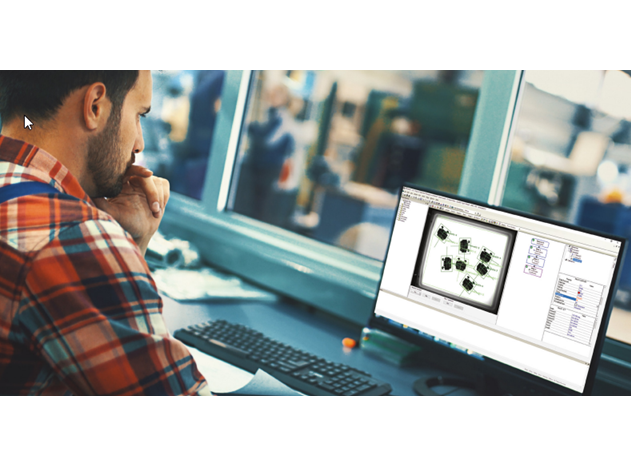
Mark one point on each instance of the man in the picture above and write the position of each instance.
(79, 311)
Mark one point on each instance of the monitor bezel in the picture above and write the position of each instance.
(489, 365)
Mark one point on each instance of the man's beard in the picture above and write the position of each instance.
(104, 158)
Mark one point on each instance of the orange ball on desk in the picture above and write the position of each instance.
(349, 342)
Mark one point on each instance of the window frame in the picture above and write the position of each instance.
(491, 137)
(324, 276)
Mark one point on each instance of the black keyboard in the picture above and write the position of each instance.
(250, 350)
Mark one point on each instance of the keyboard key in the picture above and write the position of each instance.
(298, 363)
(285, 367)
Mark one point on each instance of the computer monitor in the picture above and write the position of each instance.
(518, 300)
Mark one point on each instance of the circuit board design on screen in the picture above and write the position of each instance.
(463, 259)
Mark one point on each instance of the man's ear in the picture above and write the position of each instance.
(96, 107)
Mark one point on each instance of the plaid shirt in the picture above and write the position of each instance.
(79, 311)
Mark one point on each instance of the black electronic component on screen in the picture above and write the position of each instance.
(485, 256)
(461, 265)
(442, 234)
(447, 263)
(482, 270)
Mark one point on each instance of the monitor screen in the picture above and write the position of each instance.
(531, 294)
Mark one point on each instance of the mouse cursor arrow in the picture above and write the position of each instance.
(27, 123)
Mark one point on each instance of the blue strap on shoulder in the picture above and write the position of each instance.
(26, 188)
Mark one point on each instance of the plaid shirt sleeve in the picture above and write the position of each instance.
(92, 311)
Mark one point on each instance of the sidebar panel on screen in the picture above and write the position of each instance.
(403, 250)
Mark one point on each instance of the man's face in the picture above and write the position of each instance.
(112, 151)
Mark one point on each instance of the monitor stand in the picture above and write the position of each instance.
(454, 386)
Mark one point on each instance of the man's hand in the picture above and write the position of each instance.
(140, 205)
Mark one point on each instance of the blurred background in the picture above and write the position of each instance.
(570, 159)
(324, 153)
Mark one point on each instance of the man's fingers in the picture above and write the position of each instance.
(157, 190)
(137, 170)
(167, 191)
(158, 183)
(154, 198)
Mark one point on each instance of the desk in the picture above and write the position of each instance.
(316, 333)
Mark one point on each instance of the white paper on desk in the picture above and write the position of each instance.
(206, 284)
(263, 384)
(221, 376)
(226, 379)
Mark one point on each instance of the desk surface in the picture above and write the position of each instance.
(316, 333)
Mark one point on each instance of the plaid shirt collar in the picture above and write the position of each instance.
(40, 165)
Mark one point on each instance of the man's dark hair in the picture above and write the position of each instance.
(39, 94)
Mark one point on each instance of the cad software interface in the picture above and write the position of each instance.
(521, 291)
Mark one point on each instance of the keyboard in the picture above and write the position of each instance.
(305, 372)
